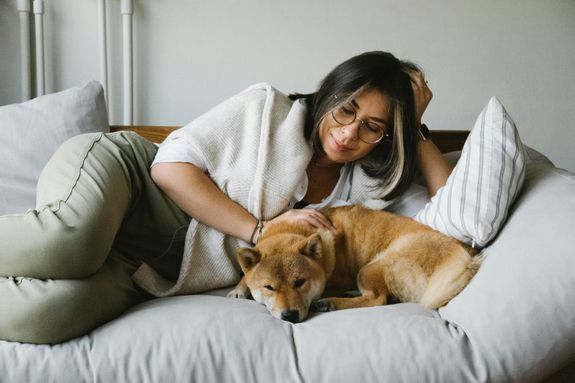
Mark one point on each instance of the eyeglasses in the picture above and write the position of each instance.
(369, 132)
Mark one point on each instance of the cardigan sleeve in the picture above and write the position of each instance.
(221, 134)
(177, 149)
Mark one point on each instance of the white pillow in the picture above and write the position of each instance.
(473, 204)
(32, 131)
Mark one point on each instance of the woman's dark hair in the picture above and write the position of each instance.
(393, 160)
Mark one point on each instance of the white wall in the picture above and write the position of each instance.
(191, 54)
(9, 53)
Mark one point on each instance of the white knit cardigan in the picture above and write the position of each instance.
(255, 151)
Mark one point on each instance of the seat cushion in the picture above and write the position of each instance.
(518, 310)
(513, 322)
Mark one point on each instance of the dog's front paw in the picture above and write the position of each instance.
(238, 293)
(322, 306)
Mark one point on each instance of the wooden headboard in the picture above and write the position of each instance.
(446, 140)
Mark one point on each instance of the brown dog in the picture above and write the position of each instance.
(381, 254)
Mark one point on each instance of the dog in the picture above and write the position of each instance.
(386, 257)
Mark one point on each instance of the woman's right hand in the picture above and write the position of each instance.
(313, 218)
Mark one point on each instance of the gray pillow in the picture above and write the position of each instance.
(32, 131)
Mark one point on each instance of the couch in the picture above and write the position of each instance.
(515, 321)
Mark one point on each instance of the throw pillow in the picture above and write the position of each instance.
(32, 131)
(473, 204)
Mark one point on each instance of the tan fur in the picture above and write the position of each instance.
(381, 254)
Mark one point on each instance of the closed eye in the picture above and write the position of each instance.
(375, 128)
(299, 283)
(269, 287)
(347, 110)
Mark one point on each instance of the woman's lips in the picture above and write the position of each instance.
(339, 147)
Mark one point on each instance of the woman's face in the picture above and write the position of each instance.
(341, 143)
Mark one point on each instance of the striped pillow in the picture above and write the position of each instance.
(473, 204)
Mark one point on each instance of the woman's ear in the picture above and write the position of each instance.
(247, 258)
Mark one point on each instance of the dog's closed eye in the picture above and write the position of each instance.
(299, 283)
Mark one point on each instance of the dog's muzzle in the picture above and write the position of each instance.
(290, 315)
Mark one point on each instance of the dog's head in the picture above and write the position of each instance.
(286, 272)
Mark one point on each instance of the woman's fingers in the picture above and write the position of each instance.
(311, 217)
(421, 93)
(417, 78)
(317, 219)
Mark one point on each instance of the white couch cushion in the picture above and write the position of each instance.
(32, 131)
(514, 322)
(518, 310)
(473, 204)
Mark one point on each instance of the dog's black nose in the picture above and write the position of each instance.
(290, 315)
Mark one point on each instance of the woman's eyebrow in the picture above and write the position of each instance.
(356, 106)
(379, 120)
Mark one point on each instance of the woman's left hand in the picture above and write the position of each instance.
(421, 93)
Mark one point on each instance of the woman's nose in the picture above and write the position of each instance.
(351, 131)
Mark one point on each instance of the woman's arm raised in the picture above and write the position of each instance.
(433, 165)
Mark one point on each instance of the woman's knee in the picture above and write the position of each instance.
(47, 245)
(53, 311)
(84, 194)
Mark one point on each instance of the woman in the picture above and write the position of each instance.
(102, 222)
(370, 87)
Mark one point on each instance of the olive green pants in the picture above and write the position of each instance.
(66, 266)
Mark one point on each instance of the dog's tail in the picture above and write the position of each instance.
(475, 263)
(452, 277)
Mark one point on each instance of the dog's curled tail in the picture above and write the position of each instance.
(446, 283)
(475, 264)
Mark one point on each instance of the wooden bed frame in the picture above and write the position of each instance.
(446, 140)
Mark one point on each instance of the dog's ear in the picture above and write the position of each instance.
(247, 257)
(312, 247)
